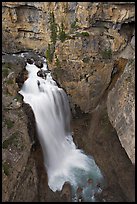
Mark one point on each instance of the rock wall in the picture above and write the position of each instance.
(122, 110)
(90, 49)
(16, 143)
(28, 22)
(81, 41)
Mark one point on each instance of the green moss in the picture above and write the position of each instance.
(9, 123)
(13, 140)
(6, 68)
(5, 72)
(62, 35)
(82, 34)
(18, 97)
(85, 34)
(10, 81)
(7, 65)
(6, 168)
(74, 24)
(106, 54)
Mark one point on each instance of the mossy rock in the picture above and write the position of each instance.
(57, 73)
(5, 72)
(86, 59)
(12, 141)
(50, 53)
(6, 168)
(106, 53)
(9, 123)
(62, 35)
(18, 97)
(74, 24)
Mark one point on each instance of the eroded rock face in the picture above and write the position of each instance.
(87, 45)
(28, 22)
(16, 143)
(122, 110)
(81, 41)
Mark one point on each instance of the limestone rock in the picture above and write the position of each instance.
(92, 30)
(118, 42)
(27, 23)
(96, 35)
(121, 109)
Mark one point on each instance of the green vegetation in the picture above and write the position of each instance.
(9, 123)
(57, 62)
(5, 72)
(106, 54)
(86, 59)
(85, 34)
(58, 32)
(49, 54)
(51, 47)
(18, 97)
(74, 24)
(62, 35)
(6, 67)
(10, 81)
(82, 34)
(53, 28)
(6, 167)
(13, 140)
(57, 72)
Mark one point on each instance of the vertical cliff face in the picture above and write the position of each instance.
(81, 41)
(122, 110)
(16, 143)
(90, 49)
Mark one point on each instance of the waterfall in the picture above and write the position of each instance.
(63, 161)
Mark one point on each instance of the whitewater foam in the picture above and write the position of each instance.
(64, 162)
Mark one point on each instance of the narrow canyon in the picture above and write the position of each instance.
(89, 49)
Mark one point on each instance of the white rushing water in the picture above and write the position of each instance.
(63, 160)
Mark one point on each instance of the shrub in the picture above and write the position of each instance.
(86, 34)
(53, 28)
(62, 35)
(74, 24)
(49, 53)
(6, 167)
(107, 53)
